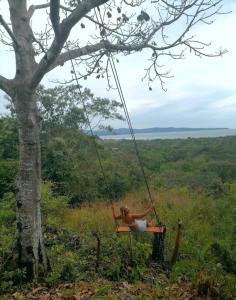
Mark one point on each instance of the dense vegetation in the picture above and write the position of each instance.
(193, 180)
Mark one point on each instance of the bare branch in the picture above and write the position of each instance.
(117, 37)
(32, 8)
(66, 8)
(106, 45)
(113, 30)
(75, 53)
(118, 47)
(77, 14)
(39, 43)
(134, 3)
(80, 11)
(55, 17)
(5, 84)
(8, 30)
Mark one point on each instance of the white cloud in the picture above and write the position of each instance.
(226, 104)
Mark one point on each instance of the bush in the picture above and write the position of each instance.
(53, 207)
(7, 230)
(113, 187)
(224, 257)
(8, 171)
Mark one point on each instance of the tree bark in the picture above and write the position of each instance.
(29, 231)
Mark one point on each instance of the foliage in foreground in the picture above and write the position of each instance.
(207, 257)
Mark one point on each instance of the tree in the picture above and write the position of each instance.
(117, 26)
(67, 153)
(62, 106)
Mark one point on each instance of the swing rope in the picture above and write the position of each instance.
(86, 113)
(89, 124)
(127, 116)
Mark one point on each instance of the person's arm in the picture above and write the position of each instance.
(141, 215)
(114, 215)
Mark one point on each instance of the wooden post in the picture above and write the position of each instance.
(158, 246)
(98, 250)
(177, 243)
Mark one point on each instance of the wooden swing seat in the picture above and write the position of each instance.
(154, 229)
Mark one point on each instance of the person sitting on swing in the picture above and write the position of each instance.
(132, 219)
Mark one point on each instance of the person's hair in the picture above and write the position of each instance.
(124, 210)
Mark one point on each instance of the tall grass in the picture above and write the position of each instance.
(207, 249)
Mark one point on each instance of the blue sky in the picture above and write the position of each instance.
(202, 92)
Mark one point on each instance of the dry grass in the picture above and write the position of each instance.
(97, 217)
(171, 206)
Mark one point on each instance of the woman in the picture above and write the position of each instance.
(133, 220)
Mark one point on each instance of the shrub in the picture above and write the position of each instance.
(8, 170)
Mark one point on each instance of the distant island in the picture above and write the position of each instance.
(121, 131)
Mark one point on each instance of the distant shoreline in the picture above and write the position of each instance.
(123, 131)
(179, 134)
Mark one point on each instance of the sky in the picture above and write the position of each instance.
(202, 92)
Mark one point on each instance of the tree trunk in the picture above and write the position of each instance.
(29, 232)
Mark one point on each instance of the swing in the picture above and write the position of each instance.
(153, 229)
(159, 230)
(138, 224)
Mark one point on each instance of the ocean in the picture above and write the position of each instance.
(174, 135)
